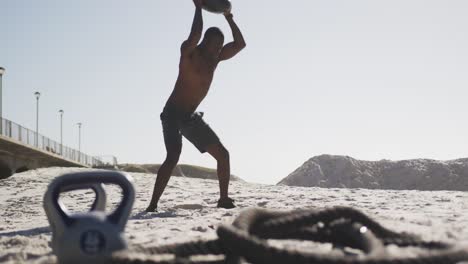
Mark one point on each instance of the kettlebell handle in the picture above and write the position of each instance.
(120, 215)
(99, 203)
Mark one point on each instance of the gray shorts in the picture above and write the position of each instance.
(191, 126)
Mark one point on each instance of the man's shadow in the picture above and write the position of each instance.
(145, 215)
(27, 232)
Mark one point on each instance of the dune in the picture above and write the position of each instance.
(181, 170)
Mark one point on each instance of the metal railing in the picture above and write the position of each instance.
(107, 160)
(26, 136)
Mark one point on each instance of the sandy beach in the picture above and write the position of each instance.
(188, 210)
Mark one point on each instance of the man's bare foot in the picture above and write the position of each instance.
(152, 208)
(226, 203)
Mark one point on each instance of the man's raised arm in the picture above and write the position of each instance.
(232, 48)
(196, 31)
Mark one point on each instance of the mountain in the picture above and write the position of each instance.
(345, 172)
(182, 170)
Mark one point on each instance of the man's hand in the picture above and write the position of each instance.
(198, 3)
(228, 13)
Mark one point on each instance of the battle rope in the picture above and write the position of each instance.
(246, 240)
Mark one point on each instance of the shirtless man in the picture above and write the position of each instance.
(196, 69)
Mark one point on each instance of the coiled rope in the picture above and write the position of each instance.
(246, 240)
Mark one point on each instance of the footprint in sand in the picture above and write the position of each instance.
(199, 229)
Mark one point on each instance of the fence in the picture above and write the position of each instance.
(26, 136)
(107, 160)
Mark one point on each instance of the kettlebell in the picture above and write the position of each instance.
(101, 198)
(91, 236)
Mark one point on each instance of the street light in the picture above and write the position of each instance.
(61, 131)
(37, 94)
(2, 71)
(79, 141)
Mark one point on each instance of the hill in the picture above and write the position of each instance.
(417, 174)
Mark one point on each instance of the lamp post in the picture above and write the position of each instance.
(61, 131)
(2, 71)
(37, 94)
(79, 141)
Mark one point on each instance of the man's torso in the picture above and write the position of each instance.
(195, 76)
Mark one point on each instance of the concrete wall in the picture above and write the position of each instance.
(17, 157)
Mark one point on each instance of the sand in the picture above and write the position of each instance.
(188, 210)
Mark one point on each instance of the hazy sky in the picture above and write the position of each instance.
(369, 79)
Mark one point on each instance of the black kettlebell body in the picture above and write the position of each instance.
(93, 236)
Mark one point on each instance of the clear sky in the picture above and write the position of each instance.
(366, 78)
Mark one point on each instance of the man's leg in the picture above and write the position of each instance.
(164, 173)
(221, 154)
(173, 142)
(205, 139)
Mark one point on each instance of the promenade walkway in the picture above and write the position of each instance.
(21, 149)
